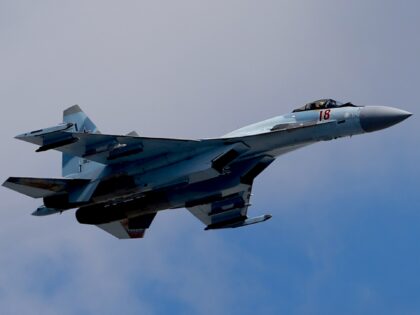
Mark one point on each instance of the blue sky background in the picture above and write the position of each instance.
(344, 238)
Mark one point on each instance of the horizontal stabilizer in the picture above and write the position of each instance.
(129, 228)
(42, 187)
(43, 211)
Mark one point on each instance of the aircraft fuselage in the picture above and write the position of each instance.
(151, 188)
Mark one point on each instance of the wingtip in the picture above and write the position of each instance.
(10, 182)
(4, 184)
(20, 137)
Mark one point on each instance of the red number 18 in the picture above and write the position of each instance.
(324, 115)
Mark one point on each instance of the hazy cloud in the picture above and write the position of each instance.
(344, 234)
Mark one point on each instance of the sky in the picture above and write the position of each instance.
(344, 237)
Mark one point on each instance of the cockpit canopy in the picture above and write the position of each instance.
(322, 104)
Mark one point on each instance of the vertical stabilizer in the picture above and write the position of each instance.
(82, 123)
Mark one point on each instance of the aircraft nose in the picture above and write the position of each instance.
(374, 118)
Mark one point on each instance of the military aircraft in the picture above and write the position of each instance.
(120, 182)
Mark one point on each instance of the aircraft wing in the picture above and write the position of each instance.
(112, 149)
(108, 149)
(129, 228)
(225, 211)
(230, 211)
(43, 187)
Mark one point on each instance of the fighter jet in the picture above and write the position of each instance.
(120, 182)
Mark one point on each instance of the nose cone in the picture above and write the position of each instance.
(374, 118)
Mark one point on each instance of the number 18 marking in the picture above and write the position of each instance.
(324, 115)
